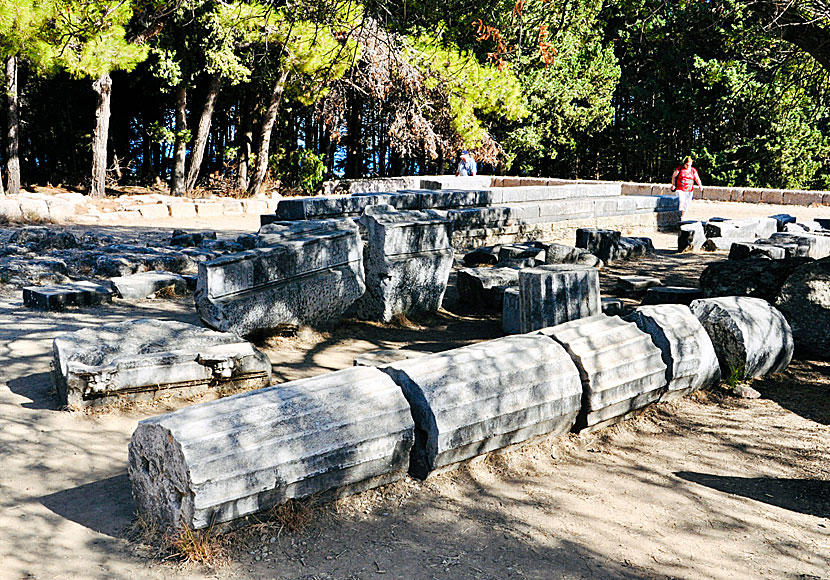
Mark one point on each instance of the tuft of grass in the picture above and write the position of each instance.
(736, 376)
(198, 546)
(293, 515)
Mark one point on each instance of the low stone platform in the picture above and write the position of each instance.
(143, 358)
(63, 295)
(211, 463)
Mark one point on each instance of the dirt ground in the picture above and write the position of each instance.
(706, 487)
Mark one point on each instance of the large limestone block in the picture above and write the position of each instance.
(621, 369)
(804, 300)
(144, 284)
(817, 246)
(691, 237)
(750, 337)
(71, 294)
(602, 243)
(756, 278)
(472, 400)
(408, 259)
(342, 432)
(556, 293)
(306, 272)
(484, 287)
(511, 316)
(687, 351)
(141, 358)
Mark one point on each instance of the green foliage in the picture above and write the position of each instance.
(298, 169)
(23, 25)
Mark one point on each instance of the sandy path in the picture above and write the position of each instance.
(696, 489)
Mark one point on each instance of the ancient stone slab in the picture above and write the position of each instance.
(636, 285)
(511, 315)
(601, 243)
(611, 306)
(783, 219)
(691, 237)
(756, 278)
(472, 400)
(671, 295)
(141, 358)
(206, 464)
(138, 286)
(484, 287)
(562, 254)
(63, 295)
(742, 251)
(817, 246)
(791, 249)
(687, 351)
(483, 255)
(306, 272)
(748, 228)
(480, 217)
(724, 244)
(376, 358)
(408, 259)
(556, 293)
(521, 252)
(620, 368)
(804, 300)
(751, 338)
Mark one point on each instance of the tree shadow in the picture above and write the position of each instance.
(102, 506)
(806, 496)
(803, 388)
(38, 388)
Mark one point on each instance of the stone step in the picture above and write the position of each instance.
(337, 433)
(58, 297)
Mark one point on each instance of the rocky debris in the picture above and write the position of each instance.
(484, 287)
(23, 270)
(790, 249)
(620, 368)
(755, 278)
(742, 251)
(609, 246)
(301, 272)
(562, 254)
(59, 297)
(138, 286)
(39, 238)
(486, 255)
(611, 306)
(745, 392)
(408, 259)
(795, 229)
(376, 358)
(671, 295)
(751, 338)
(472, 400)
(635, 285)
(338, 433)
(804, 300)
(691, 237)
(687, 351)
(556, 293)
(183, 239)
(525, 251)
(723, 244)
(741, 229)
(141, 358)
(782, 219)
(816, 246)
(511, 316)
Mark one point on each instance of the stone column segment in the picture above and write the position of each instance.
(339, 433)
(557, 293)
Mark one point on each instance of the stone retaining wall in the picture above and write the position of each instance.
(737, 194)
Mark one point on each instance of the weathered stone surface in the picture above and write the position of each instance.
(553, 294)
(687, 351)
(376, 358)
(621, 369)
(521, 251)
(750, 337)
(185, 239)
(306, 272)
(486, 396)
(742, 251)
(636, 285)
(691, 237)
(511, 314)
(562, 254)
(748, 228)
(140, 358)
(782, 219)
(804, 300)
(601, 243)
(755, 278)
(138, 286)
(817, 246)
(63, 295)
(484, 287)
(724, 244)
(39, 238)
(340, 432)
(480, 217)
(408, 259)
(790, 249)
(611, 306)
(484, 255)
(671, 295)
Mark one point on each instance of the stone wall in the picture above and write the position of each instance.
(736, 194)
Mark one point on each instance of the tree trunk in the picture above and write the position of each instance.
(13, 161)
(103, 87)
(177, 183)
(265, 134)
(354, 155)
(202, 133)
(244, 141)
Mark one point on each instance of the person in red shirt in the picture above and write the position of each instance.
(683, 181)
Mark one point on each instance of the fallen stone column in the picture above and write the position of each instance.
(408, 259)
(687, 351)
(751, 338)
(553, 294)
(141, 358)
(305, 272)
(347, 431)
(472, 400)
(621, 369)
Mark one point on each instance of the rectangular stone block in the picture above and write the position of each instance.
(751, 196)
(551, 295)
(408, 259)
(142, 358)
(483, 288)
(480, 217)
(691, 237)
(455, 182)
(487, 396)
(145, 284)
(155, 211)
(244, 454)
(782, 219)
(209, 209)
(307, 272)
(741, 251)
(63, 295)
(511, 314)
(817, 246)
(804, 198)
(451, 198)
(775, 196)
(621, 369)
(10, 209)
(182, 210)
(254, 206)
(232, 207)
